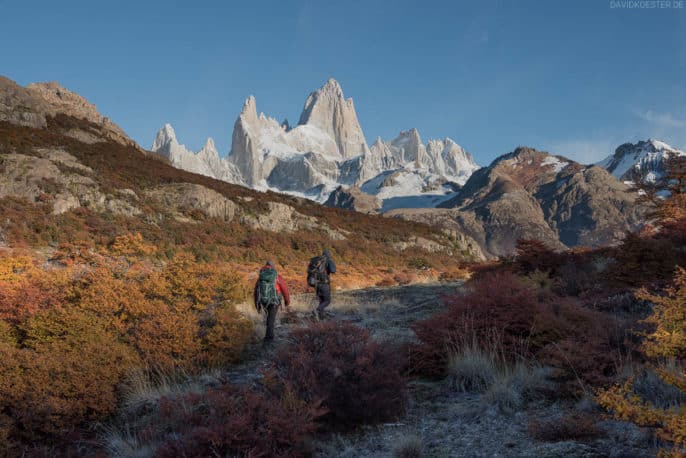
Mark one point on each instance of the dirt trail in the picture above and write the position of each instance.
(387, 312)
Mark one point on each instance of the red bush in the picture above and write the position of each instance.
(501, 310)
(357, 379)
(231, 421)
(497, 306)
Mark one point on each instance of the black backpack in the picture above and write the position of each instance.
(316, 271)
(266, 288)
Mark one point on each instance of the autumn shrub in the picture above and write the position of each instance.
(231, 421)
(65, 373)
(664, 346)
(642, 261)
(402, 278)
(357, 379)
(227, 335)
(496, 306)
(69, 335)
(526, 320)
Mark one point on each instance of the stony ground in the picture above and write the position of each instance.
(440, 421)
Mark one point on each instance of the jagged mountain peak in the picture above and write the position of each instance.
(249, 108)
(165, 136)
(209, 145)
(333, 87)
(327, 109)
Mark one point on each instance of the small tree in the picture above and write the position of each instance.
(665, 346)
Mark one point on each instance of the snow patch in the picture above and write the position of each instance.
(557, 164)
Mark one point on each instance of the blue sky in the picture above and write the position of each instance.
(573, 77)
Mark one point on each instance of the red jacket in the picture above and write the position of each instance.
(281, 288)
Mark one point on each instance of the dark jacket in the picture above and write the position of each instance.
(281, 288)
(330, 264)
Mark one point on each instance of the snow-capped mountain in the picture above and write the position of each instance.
(325, 150)
(322, 152)
(642, 161)
(205, 162)
(408, 173)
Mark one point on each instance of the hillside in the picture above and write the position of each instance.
(529, 194)
(73, 169)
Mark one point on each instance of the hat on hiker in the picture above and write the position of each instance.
(270, 263)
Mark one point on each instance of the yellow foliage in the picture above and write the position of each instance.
(227, 338)
(68, 336)
(666, 341)
(131, 246)
(14, 269)
(669, 319)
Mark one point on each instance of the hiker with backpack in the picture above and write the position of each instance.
(270, 289)
(318, 272)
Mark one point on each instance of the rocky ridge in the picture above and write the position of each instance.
(327, 149)
(33, 105)
(529, 194)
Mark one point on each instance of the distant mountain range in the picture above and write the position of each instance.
(327, 149)
(530, 194)
(325, 158)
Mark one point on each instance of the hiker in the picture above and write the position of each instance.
(270, 289)
(318, 272)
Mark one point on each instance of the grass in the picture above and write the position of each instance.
(506, 386)
(144, 388)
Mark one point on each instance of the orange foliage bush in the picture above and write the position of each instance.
(69, 335)
(666, 342)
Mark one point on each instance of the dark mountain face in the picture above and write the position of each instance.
(532, 194)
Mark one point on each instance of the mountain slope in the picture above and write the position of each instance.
(534, 195)
(57, 188)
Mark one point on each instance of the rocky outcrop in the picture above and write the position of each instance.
(534, 195)
(56, 177)
(19, 105)
(182, 198)
(33, 105)
(353, 199)
(72, 104)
